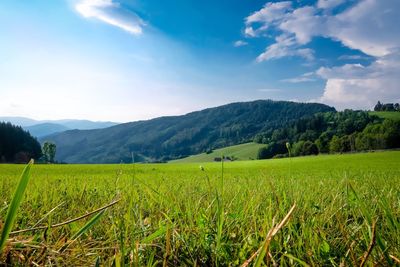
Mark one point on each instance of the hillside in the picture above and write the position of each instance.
(247, 151)
(20, 121)
(17, 145)
(174, 137)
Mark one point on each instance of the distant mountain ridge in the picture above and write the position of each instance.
(174, 137)
(44, 129)
(41, 128)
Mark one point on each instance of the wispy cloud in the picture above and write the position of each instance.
(239, 43)
(269, 90)
(306, 77)
(112, 13)
(329, 4)
(270, 13)
(353, 57)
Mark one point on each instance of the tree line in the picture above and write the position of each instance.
(19, 146)
(387, 107)
(331, 132)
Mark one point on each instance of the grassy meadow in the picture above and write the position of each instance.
(346, 213)
(393, 115)
(247, 151)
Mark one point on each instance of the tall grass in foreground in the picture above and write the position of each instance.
(14, 205)
(347, 213)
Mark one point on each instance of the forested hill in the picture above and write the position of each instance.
(17, 145)
(177, 136)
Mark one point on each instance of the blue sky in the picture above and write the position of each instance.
(139, 59)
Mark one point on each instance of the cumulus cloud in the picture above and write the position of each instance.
(112, 13)
(369, 26)
(362, 86)
(304, 23)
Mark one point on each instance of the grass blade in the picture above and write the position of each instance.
(15, 203)
(160, 232)
(88, 225)
(81, 231)
(264, 249)
(302, 263)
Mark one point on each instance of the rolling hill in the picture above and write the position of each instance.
(174, 137)
(247, 151)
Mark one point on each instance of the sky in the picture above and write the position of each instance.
(120, 60)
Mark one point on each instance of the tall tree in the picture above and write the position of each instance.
(378, 106)
(49, 151)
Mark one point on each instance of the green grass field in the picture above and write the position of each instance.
(347, 213)
(393, 115)
(247, 151)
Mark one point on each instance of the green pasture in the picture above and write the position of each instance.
(393, 115)
(347, 210)
(247, 151)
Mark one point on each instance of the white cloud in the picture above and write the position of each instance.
(370, 26)
(306, 77)
(271, 12)
(329, 4)
(354, 85)
(285, 47)
(239, 43)
(354, 57)
(249, 32)
(269, 90)
(111, 13)
(304, 23)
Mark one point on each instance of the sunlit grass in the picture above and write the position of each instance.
(179, 214)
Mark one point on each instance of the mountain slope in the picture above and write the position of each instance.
(40, 128)
(85, 124)
(178, 136)
(43, 129)
(19, 121)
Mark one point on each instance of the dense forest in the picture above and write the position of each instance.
(17, 145)
(166, 138)
(330, 132)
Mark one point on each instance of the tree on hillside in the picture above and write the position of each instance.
(378, 106)
(387, 107)
(49, 151)
(335, 144)
(17, 145)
